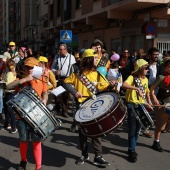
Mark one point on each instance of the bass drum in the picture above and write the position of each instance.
(28, 106)
(101, 116)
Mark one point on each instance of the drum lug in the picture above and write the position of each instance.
(59, 122)
(100, 127)
(113, 118)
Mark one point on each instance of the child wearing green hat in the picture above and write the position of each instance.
(135, 96)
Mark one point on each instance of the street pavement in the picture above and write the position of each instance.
(61, 149)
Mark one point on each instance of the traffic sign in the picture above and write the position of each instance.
(65, 36)
(150, 29)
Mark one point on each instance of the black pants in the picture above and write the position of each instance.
(9, 113)
(96, 142)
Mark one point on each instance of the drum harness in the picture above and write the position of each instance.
(90, 86)
(103, 61)
(138, 84)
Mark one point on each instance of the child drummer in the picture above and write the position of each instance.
(134, 96)
(163, 97)
(41, 87)
(89, 75)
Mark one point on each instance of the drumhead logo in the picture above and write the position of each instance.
(96, 106)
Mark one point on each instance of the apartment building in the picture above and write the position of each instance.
(8, 21)
(120, 24)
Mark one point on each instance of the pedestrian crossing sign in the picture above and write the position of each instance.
(65, 36)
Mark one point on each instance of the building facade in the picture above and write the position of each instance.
(120, 24)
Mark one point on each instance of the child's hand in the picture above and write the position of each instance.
(156, 102)
(44, 101)
(113, 82)
(29, 78)
(78, 95)
(140, 92)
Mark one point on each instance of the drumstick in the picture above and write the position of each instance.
(158, 105)
(147, 103)
(95, 82)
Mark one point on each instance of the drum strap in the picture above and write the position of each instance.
(90, 86)
(103, 61)
(138, 84)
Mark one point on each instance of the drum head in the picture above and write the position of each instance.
(167, 108)
(92, 109)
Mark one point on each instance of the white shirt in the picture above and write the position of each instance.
(113, 74)
(153, 72)
(64, 64)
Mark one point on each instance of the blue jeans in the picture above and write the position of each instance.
(1, 100)
(133, 125)
(26, 133)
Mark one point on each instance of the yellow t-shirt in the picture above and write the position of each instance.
(93, 76)
(131, 95)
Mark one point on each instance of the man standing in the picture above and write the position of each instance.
(11, 53)
(154, 65)
(61, 67)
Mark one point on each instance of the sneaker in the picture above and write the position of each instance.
(81, 160)
(133, 151)
(13, 130)
(99, 161)
(8, 127)
(156, 146)
(132, 156)
(22, 165)
(73, 127)
(148, 135)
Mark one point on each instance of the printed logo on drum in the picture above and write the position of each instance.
(96, 105)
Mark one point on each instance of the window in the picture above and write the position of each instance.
(67, 9)
(58, 8)
(45, 23)
(116, 44)
(51, 12)
(78, 4)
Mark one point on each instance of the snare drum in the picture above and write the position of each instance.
(101, 116)
(143, 116)
(167, 108)
(30, 108)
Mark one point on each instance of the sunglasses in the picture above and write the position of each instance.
(146, 67)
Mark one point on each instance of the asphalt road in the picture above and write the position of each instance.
(61, 149)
